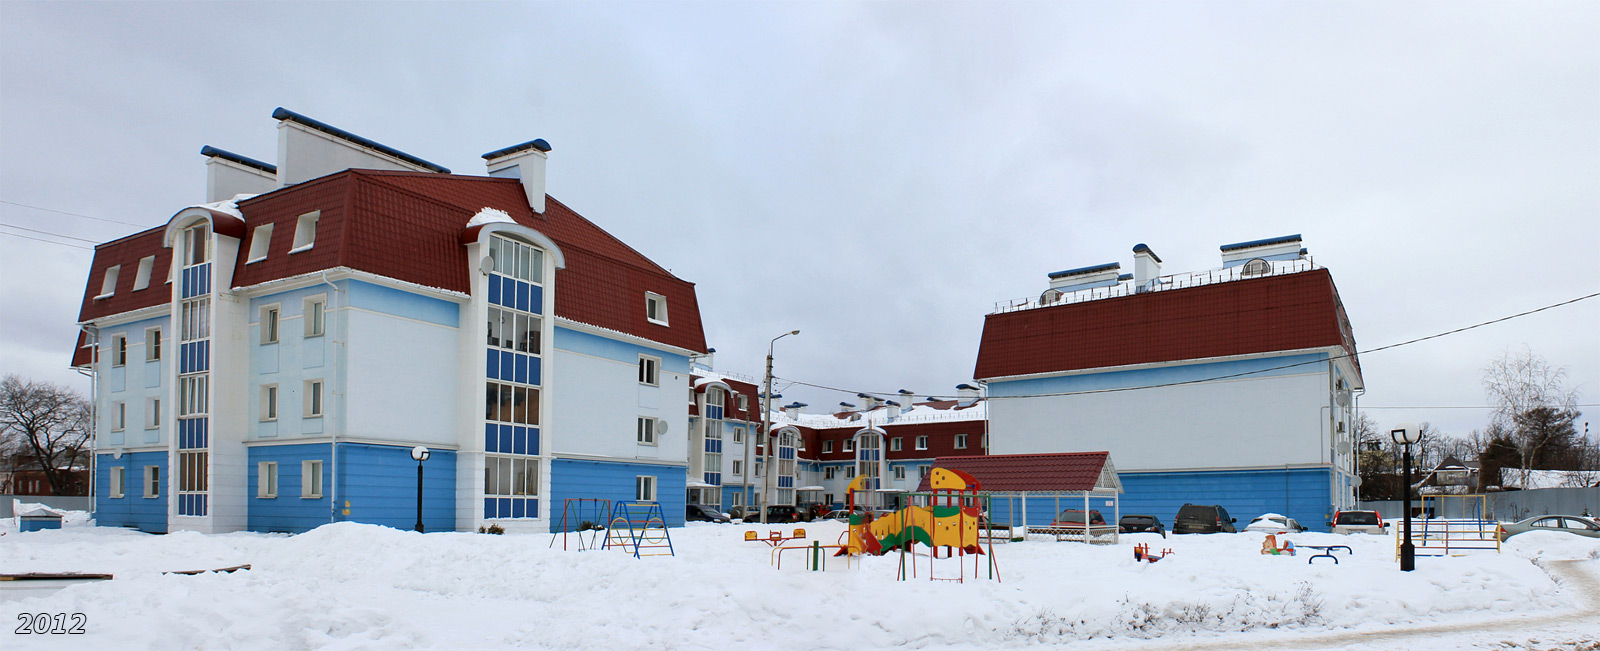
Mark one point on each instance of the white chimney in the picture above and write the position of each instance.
(1272, 249)
(792, 410)
(894, 409)
(525, 162)
(1146, 268)
(1071, 280)
(908, 399)
(229, 174)
(308, 149)
(966, 394)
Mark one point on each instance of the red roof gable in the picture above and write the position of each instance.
(1034, 473)
(127, 252)
(83, 353)
(1275, 313)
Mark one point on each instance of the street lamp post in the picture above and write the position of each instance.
(766, 429)
(1405, 434)
(419, 453)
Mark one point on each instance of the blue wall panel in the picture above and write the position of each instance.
(1260, 367)
(573, 479)
(378, 481)
(597, 346)
(133, 509)
(1300, 494)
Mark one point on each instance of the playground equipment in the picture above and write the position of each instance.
(1471, 528)
(1270, 546)
(1326, 551)
(1141, 552)
(638, 526)
(951, 520)
(775, 538)
(586, 518)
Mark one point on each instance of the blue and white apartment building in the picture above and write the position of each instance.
(1233, 386)
(266, 361)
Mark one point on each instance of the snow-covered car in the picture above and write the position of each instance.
(1574, 524)
(1274, 523)
(1349, 522)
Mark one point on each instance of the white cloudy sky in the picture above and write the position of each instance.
(879, 174)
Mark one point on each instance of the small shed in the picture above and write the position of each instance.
(1031, 490)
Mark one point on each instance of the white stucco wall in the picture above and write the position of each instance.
(598, 399)
(401, 379)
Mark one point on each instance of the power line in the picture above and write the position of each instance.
(1233, 375)
(35, 230)
(71, 214)
(36, 239)
(1365, 407)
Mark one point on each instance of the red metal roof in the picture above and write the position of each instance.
(1034, 473)
(127, 252)
(1274, 313)
(406, 226)
(83, 353)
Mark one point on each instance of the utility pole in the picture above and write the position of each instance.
(766, 429)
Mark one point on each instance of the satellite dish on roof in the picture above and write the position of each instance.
(486, 265)
(1342, 397)
(661, 426)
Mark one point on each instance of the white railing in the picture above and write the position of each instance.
(1165, 283)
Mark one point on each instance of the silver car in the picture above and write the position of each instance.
(1568, 523)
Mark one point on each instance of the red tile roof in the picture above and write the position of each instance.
(1036, 473)
(1274, 313)
(406, 225)
(127, 252)
(83, 353)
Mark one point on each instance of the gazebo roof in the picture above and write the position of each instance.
(1066, 472)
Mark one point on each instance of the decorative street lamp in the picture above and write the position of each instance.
(766, 429)
(1405, 434)
(419, 453)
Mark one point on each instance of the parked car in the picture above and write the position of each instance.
(746, 513)
(705, 513)
(1069, 525)
(784, 513)
(1574, 524)
(1274, 523)
(1071, 517)
(1141, 524)
(1349, 522)
(1203, 518)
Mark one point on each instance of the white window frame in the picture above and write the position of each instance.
(152, 344)
(315, 315)
(738, 435)
(922, 442)
(895, 444)
(660, 308)
(194, 396)
(500, 477)
(119, 350)
(197, 238)
(152, 413)
(118, 481)
(260, 241)
(922, 471)
(119, 416)
(644, 488)
(738, 467)
(271, 323)
(108, 284)
(850, 471)
(305, 231)
(311, 479)
(152, 482)
(961, 441)
(269, 403)
(141, 277)
(849, 446)
(830, 472)
(650, 370)
(314, 402)
(744, 402)
(899, 472)
(267, 480)
(646, 432)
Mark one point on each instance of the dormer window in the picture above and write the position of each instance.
(655, 308)
(1257, 267)
(305, 232)
(196, 247)
(141, 279)
(259, 240)
(109, 285)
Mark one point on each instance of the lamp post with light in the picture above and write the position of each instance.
(766, 429)
(1405, 434)
(419, 453)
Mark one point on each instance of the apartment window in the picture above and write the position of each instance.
(193, 397)
(269, 324)
(141, 278)
(119, 350)
(513, 330)
(314, 315)
(311, 479)
(269, 402)
(511, 403)
(738, 434)
(267, 479)
(827, 447)
(849, 472)
(305, 232)
(511, 476)
(759, 466)
(152, 482)
(961, 441)
(259, 239)
(738, 467)
(119, 416)
(899, 472)
(894, 444)
(922, 442)
(655, 308)
(744, 402)
(108, 286)
(644, 488)
(922, 471)
(517, 260)
(152, 344)
(313, 399)
(649, 371)
(849, 446)
(116, 481)
(152, 413)
(647, 430)
(196, 241)
(829, 472)
(196, 319)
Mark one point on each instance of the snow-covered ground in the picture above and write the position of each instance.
(359, 586)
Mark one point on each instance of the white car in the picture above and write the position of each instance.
(1275, 523)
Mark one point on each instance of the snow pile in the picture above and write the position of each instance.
(490, 216)
(355, 586)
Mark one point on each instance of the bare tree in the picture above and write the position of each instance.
(1530, 399)
(47, 423)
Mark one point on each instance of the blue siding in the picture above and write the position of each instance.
(1300, 494)
(378, 298)
(573, 479)
(1158, 375)
(597, 346)
(134, 509)
(379, 483)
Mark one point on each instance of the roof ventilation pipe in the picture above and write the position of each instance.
(525, 162)
(792, 410)
(908, 399)
(966, 395)
(1146, 269)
